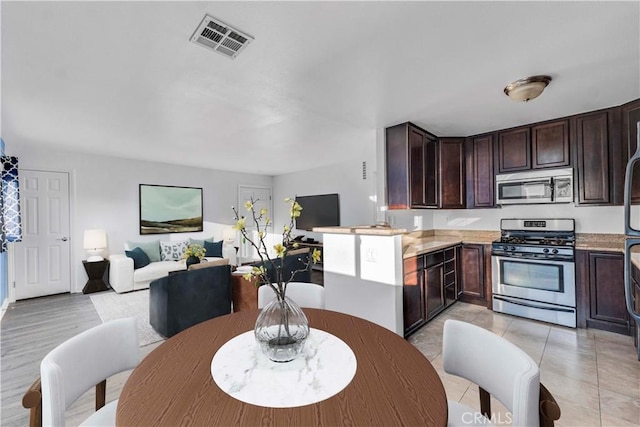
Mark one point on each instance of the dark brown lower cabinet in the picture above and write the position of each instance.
(600, 280)
(434, 285)
(431, 283)
(476, 274)
(413, 295)
(635, 280)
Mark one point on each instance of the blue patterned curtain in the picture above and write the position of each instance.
(9, 203)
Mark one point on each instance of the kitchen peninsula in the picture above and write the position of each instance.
(376, 273)
(363, 273)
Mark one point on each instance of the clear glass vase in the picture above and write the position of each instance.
(281, 330)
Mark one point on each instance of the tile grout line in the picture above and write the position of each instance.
(595, 350)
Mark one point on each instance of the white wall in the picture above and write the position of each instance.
(597, 219)
(600, 219)
(104, 194)
(357, 195)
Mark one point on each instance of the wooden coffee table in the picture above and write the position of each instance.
(394, 383)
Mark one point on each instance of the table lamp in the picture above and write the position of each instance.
(94, 242)
(229, 234)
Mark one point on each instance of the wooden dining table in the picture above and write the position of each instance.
(394, 383)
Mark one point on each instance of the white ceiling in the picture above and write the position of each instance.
(123, 79)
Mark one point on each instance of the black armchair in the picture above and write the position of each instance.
(183, 299)
(295, 260)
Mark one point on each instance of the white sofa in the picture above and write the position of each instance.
(123, 278)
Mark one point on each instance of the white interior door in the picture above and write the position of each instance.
(42, 258)
(262, 199)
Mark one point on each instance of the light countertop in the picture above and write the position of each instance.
(422, 242)
(361, 229)
(428, 244)
(600, 242)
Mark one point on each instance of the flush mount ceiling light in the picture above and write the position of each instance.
(527, 88)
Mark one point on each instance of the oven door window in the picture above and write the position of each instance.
(547, 277)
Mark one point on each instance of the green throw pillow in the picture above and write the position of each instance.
(213, 249)
(140, 258)
(151, 248)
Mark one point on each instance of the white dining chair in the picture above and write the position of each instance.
(498, 367)
(304, 294)
(83, 362)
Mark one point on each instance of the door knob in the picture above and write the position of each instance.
(64, 239)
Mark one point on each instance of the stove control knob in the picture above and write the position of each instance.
(505, 248)
(512, 248)
(555, 251)
(546, 250)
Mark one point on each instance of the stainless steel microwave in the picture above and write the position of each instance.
(542, 186)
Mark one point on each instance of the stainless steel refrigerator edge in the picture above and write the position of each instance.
(633, 237)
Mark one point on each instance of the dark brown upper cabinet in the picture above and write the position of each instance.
(514, 150)
(424, 172)
(550, 145)
(480, 177)
(411, 167)
(452, 173)
(630, 117)
(431, 172)
(599, 157)
(539, 146)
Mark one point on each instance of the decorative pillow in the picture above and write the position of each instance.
(151, 248)
(213, 249)
(140, 258)
(200, 242)
(172, 251)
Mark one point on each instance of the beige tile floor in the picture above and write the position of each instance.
(594, 375)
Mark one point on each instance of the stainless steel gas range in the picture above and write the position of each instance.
(533, 270)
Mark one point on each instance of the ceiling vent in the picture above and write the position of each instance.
(219, 37)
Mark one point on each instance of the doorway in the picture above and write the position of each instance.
(262, 199)
(42, 258)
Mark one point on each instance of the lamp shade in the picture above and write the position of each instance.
(94, 241)
(229, 234)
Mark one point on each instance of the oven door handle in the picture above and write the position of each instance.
(533, 260)
(509, 300)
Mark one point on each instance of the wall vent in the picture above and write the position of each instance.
(364, 170)
(219, 37)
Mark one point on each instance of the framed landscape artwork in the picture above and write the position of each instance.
(167, 209)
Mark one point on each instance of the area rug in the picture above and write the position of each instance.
(111, 305)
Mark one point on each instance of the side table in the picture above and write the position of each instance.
(243, 293)
(96, 271)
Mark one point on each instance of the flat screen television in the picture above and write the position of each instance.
(318, 211)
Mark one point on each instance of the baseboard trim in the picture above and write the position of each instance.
(3, 309)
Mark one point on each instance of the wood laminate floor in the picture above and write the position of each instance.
(594, 375)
